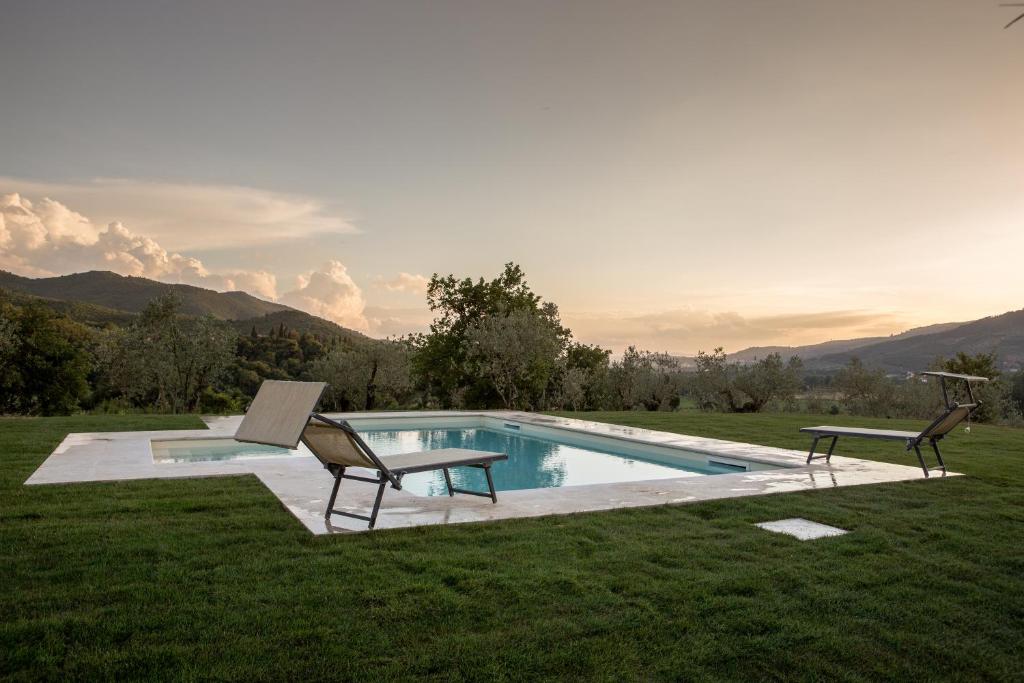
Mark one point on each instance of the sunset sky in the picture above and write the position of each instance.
(676, 175)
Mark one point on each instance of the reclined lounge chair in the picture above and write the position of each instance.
(282, 415)
(954, 414)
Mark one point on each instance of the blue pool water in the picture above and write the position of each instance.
(532, 462)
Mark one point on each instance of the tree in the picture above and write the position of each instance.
(864, 391)
(979, 365)
(1017, 392)
(166, 359)
(440, 359)
(994, 396)
(366, 376)
(767, 380)
(44, 362)
(9, 343)
(591, 358)
(720, 385)
(573, 388)
(582, 377)
(642, 380)
(517, 353)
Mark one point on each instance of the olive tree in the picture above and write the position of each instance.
(516, 354)
(166, 360)
(864, 391)
(720, 385)
(769, 379)
(366, 376)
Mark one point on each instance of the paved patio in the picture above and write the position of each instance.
(303, 486)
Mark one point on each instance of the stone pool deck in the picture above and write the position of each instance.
(303, 486)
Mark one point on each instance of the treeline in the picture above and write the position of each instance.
(493, 344)
(161, 361)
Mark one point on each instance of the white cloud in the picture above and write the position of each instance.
(257, 282)
(405, 282)
(396, 322)
(184, 217)
(47, 238)
(330, 293)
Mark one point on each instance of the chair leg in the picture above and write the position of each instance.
(334, 493)
(938, 456)
(490, 483)
(376, 502)
(814, 444)
(920, 458)
(448, 482)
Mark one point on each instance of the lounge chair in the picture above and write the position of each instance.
(954, 414)
(282, 415)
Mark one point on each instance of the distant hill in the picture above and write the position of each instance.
(839, 346)
(100, 297)
(131, 294)
(1001, 334)
(89, 314)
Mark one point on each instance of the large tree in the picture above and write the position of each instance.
(441, 361)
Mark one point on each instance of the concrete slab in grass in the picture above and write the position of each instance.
(804, 529)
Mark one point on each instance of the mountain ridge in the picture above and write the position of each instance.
(812, 351)
(1000, 334)
(101, 294)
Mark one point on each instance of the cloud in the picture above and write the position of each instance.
(685, 331)
(395, 322)
(405, 282)
(47, 238)
(186, 217)
(330, 293)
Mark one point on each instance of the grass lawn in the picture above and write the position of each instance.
(213, 578)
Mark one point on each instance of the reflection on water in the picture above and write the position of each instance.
(532, 463)
(213, 451)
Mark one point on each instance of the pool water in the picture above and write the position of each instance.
(212, 450)
(533, 462)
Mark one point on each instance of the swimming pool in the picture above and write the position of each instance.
(538, 457)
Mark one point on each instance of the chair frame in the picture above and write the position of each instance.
(385, 475)
(911, 442)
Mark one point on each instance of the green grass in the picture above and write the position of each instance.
(212, 578)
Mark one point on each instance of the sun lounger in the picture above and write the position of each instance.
(282, 414)
(954, 414)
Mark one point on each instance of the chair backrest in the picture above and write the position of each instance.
(333, 445)
(945, 423)
(278, 414)
(334, 442)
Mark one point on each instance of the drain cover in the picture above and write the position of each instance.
(804, 529)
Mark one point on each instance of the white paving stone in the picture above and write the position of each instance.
(303, 486)
(804, 529)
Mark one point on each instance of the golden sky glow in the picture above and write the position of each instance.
(676, 175)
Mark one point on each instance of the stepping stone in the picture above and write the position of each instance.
(804, 529)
